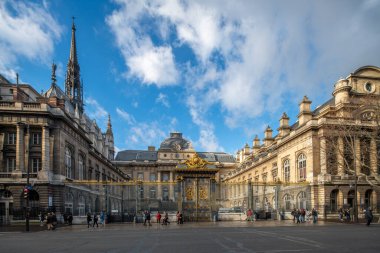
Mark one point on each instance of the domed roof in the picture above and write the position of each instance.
(175, 143)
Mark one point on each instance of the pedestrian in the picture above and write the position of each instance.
(314, 213)
(249, 215)
(147, 218)
(54, 221)
(166, 221)
(177, 216)
(368, 216)
(298, 216)
(180, 218)
(42, 218)
(102, 219)
(158, 217)
(88, 219)
(340, 212)
(95, 221)
(70, 219)
(49, 221)
(294, 213)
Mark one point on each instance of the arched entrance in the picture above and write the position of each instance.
(6, 206)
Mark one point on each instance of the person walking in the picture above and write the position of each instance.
(95, 221)
(368, 216)
(102, 219)
(49, 221)
(88, 220)
(147, 218)
(177, 215)
(54, 221)
(249, 215)
(42, 218)
(158, 217)
(314, 213)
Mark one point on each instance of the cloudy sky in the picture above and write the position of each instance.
(218, 71)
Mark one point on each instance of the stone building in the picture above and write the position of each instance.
(51, 136)
(320, 159)
(155, 178)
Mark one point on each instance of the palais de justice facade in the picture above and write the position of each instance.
(318, 161)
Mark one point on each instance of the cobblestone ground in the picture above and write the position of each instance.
(261, 236)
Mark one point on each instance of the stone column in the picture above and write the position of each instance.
(340, 158)
(357, 155)
(159, 186)
(20, 152)
(373, 156)
(171, 187)
(2, 141)
(45, 154)
(323, 156)
(26, 150)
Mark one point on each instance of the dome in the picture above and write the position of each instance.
(175, 143)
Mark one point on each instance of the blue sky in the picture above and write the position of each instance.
(218, 71)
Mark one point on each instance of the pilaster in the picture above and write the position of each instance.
(340, 157)
(373, 157)
(20, 148)
(323, 156)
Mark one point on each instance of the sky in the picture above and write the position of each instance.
(218, 71)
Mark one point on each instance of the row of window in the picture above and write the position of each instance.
(152, 193)
(153, 177)
(301, 167)
(35, 164)
(35, 139)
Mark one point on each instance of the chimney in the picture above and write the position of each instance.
(268, 140)
(284, 128)
(305, 112)
(151, 148)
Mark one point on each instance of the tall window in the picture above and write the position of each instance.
(11, 138)
(301, 161)
(68, 162)
(152, 177)
(152, 192)
(165, 193)
(287, 200)
(36, 139)
(69, 200)
(11, 164)
(80, 167)
(81, 206)
(36, 165)
(165, 177)
(287, 170)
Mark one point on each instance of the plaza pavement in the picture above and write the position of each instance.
(260, 236)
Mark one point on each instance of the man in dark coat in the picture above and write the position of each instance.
(368, 216)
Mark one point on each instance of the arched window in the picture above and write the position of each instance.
(68, 162)
(80, 167)
(301, 162)
(286, 170)
(81, 206)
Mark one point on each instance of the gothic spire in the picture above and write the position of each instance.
(109, 125)
(53, 77)
(73, 85)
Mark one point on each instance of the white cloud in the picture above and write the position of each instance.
(151, 64)
(252, 57)
(27, 30)
(163, 99)
(126, 116)
(96, 111)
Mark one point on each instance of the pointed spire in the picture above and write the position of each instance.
(73, 86)
(53, 77)
(109, 125)
(73, 48)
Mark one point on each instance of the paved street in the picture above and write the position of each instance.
(262, 236)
